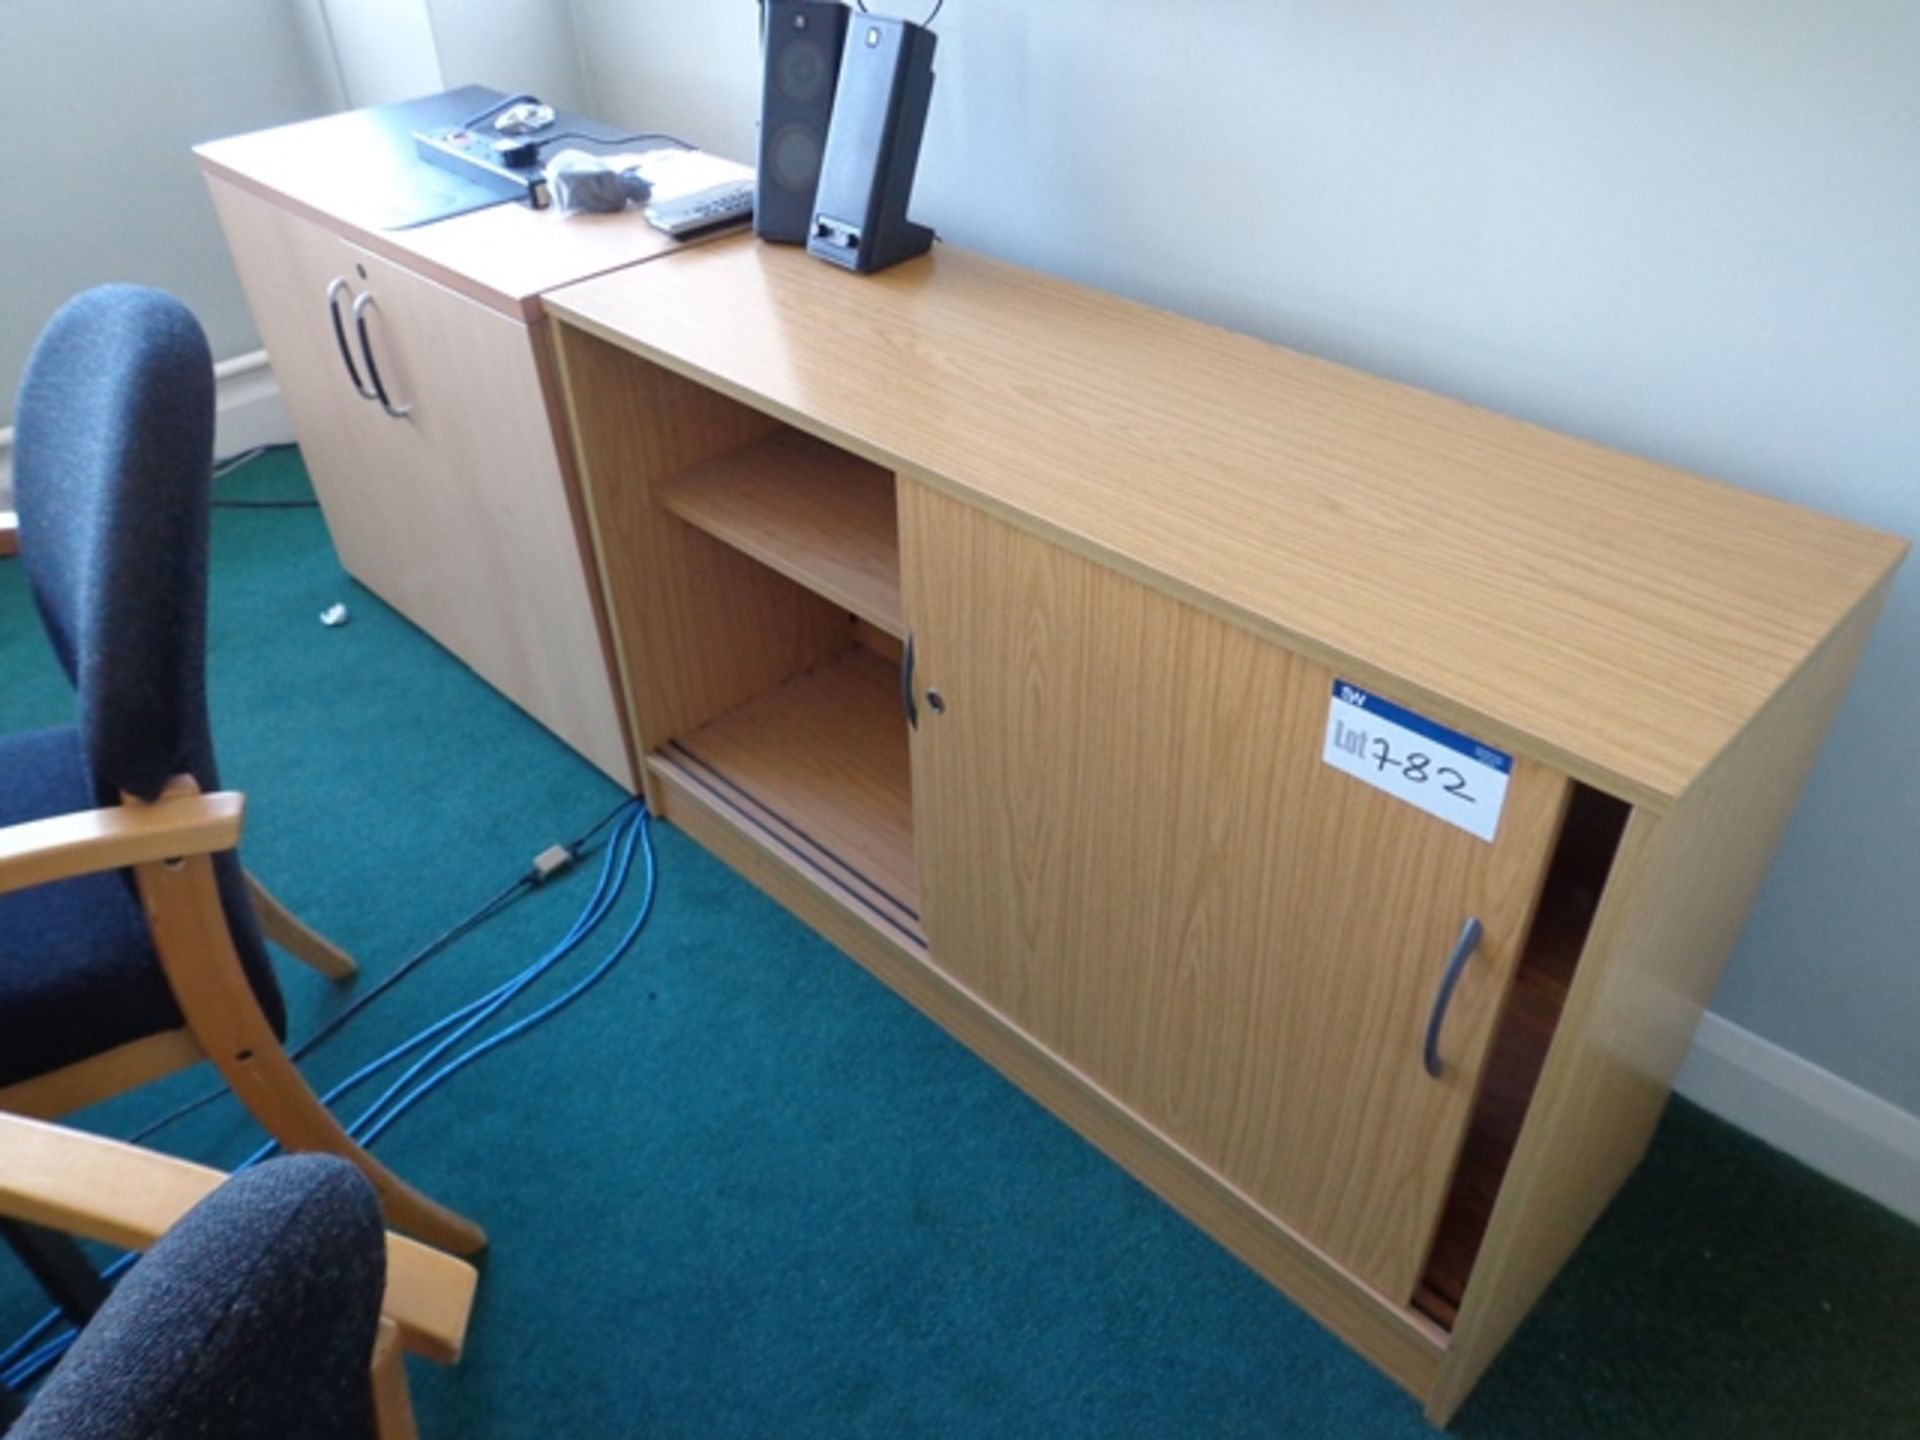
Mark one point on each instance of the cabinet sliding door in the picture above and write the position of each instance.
(1130, 847)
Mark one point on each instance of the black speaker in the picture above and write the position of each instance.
(804, 39)
(879, 114)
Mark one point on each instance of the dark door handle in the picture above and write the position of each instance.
(1463, 949)
(362, 303)
(335, 290)
(907, 702)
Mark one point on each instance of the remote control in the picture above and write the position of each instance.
(683, 215)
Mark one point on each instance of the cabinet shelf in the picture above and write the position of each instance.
(817, 515)
(817, 770)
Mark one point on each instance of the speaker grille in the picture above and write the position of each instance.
(794, 156)
(802, 70)
(804, 40)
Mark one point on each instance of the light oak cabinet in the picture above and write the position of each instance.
(994, 626)
(417, 370)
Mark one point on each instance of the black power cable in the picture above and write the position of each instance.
(541, 142)
(861, 5)
(530, 880)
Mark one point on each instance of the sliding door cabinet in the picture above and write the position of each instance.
(1333, 802)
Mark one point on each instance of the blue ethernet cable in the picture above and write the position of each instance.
(32, 1334)
(551, 1008)
(18, 1369)
(476, 1012)
(619, 858)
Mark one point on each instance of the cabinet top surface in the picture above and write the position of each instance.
(1616, 617)
(505, 256)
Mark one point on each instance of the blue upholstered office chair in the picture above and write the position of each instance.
(268, 1304)
(256, 1315)
(130, 945)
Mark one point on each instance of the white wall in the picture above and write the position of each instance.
(689, 69)
(512, 45)
(1689, 229)
(386, 50)
(104, 100)
(381, 50)
(398, 49)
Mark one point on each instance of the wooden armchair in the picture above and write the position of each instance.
(130, 938)
(167, 846)
(272, 1302)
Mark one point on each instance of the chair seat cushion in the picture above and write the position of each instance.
(78, 973)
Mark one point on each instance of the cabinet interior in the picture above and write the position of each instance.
(1582, 857)
(814, 767)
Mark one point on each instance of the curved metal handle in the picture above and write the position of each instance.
(362, 303)
(1463, 949)
(906, 684)
(334, 290)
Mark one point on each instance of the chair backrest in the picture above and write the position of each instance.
(113, 460)
(254, 1316)
(112, 478)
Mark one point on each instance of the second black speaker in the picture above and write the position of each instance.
(804, 40)
(873, 147)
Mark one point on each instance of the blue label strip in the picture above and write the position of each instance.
(1466, 745)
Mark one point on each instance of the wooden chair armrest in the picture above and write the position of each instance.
(38, 851)
(123, 1195)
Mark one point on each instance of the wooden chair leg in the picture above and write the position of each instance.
(392, 1404)
(298, 939)
(189, 930)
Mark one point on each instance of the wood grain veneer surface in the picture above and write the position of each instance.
(1614, 617)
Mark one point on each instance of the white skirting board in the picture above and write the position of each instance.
(1844, 1132)
(248, 411)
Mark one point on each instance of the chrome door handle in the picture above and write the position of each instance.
(362, 303)
(1463, 949)
(334, 291)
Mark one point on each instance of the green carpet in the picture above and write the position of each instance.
(742, 1190)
